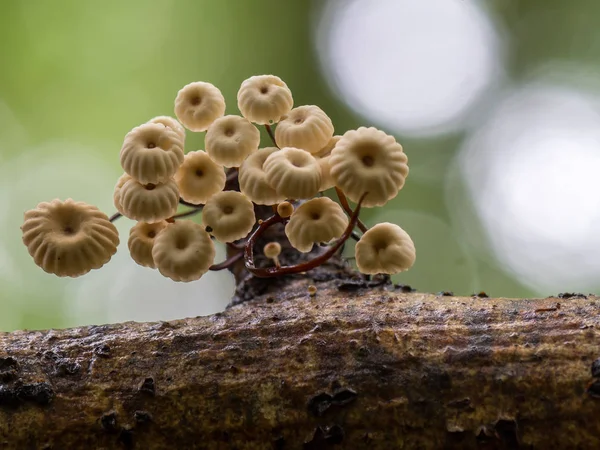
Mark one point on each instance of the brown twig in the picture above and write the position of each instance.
(302, 267)
(115, 216)
(227, 263)
(346, 206)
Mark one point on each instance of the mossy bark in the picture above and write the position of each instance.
(354, 367)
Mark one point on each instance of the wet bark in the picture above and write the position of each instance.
(356, 366)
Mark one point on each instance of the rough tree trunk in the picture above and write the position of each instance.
(356, 366)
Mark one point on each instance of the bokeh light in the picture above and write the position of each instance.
(416, 67)
(531, 170)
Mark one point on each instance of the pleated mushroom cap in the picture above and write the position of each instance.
(264, 99)
(183, 251)
(199, 104)
(117, 192)
(151, 153)
(368, 160)
(171, 123)
(315, 221)
(228, 216)
(199, 177)
(141, 240)
(151, 202)
(385, 248)
(326, 178)
(326, 151)
(293, 173)
(69, 238)
(230, 140)
(253, 180)
(306, 127)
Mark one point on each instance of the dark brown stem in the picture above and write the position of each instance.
(187, 213)
(227, 263)
(115, 216)
(271, 135)
(302, 267)
(191, 205)
(346, 206)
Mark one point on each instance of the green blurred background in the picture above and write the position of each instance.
(76, 76)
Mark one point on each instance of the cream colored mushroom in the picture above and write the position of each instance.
(141, 240)
(253, 180)
(263, 99)
(306, 127)
(150, 202)
(293, 173)
(199, 104)
(385, 248)
(228, 216)
(199, 177)
(230, 140)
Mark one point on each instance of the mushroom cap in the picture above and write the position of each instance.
(199, 177)
(141, 241)
(230, 139)
(263, 99)
(385, 248)
(172, 123)
(272, 249)
(183, 251)
(230, 216)
(326, 178)
(69, 238)
(317, 220)
(306, 127)
(368, 160)
(253, 180)
(151, 153)
(285, 209)
(117, 192)
(151, 202)
(293, 173)
(326, 151)
(199, 104)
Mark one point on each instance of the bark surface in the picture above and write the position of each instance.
(356, 366)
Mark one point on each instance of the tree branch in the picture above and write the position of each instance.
(361, 365)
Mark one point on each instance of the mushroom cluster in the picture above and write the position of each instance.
(304, 159)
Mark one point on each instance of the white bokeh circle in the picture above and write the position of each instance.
(416, 67)
(531, 171)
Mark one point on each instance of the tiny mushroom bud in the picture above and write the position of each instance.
(150, 202)
(198, 105)
(293, 173)
(263, 99)
(253, 180)
(230, 139)
(312, 290)
(141, 241)
(385, 248)
(183, 251)
(272, 250)
(317, 220)
(69, 238)
(151, 153)
(368, 160)
(285, 209)
(230, 216)
(199, 177)
(306, 127)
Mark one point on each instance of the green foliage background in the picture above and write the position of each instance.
(76, 75)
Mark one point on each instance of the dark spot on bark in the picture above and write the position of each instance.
(458, 439)
(593, 389)
(320, 403)
(445, 294)
(126, 438)
(51, 355)
(9, 367)
(234, 370)
(142, 417)
(506, 430)
(571, 295)
(336, 385)
(102, 351)
(270, 300)
(108, 422)
(463, 404)
(334, 435)
(351, 286)
(279, 443)
(147, 386)
(481, 294)
(436, 379)
(363, 351)
(596, 368)
(39, 393)
(484, 438)
(65, 368)
(98, 329)
(343, 397)
(404, 288)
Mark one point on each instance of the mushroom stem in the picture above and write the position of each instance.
(227, 263)
(270, 272)
(115, 216)
(346, 206)
(271, 135)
